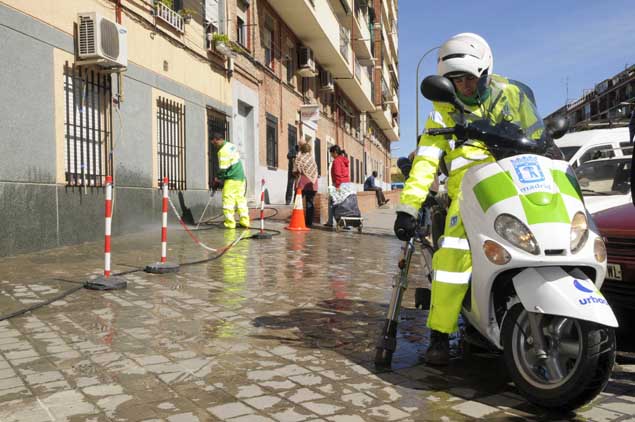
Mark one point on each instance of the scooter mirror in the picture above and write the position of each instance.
(440, 89)
(557, 127)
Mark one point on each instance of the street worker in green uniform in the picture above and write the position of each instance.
(232, 174)
(465, 59)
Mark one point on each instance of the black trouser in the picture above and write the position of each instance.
(290, 183)
(379, 193)
(309, 210)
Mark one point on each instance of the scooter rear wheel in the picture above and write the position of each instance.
(580, 357)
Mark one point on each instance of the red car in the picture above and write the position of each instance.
(617, 225)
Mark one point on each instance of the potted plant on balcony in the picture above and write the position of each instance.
(222, 44)
(187, 15)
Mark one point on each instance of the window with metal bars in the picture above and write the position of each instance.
(216, 122)
(87, 126)
(171, 142)
(318, 155)
(272, 141)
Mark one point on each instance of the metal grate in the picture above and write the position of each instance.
(216, 122)
(272, 141)
(109, 39)
(171, 142)
(86, 35)
(622, 247)
(87, 126)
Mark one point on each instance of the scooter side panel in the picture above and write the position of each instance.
(551, 290)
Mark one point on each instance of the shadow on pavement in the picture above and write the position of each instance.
(351, 328)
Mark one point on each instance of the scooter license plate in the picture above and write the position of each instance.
(614, 271)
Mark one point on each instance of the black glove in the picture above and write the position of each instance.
(405, 225)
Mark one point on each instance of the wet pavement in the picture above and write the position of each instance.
(274, 330)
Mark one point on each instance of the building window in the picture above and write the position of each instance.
(318, 155)
(345, 42)
(352, 166)
(272, 141)
(290, 59)
(216, 122)
(267, 41)
(87, 127)
(242, 13)
(171, 142)
(213, 15)
(357, 169)
(241, 32)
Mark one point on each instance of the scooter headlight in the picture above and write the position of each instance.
(515, 232)
(579, 232)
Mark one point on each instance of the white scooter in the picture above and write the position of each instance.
(538, 263)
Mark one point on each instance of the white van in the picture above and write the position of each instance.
(579, 147)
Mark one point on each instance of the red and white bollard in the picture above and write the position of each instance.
(107, 282)
(163, 266)
(261, 234)
(108, 226)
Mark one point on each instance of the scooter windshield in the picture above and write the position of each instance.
(502, 100)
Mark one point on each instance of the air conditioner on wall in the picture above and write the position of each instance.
(326, 81)
(101, 41)
(306, 63)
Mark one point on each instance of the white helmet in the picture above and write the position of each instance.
(465, 53)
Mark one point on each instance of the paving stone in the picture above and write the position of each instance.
(230, 410)
(244, 338)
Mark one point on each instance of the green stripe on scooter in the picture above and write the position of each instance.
(494, 189)
(567, 183)
(553, 212)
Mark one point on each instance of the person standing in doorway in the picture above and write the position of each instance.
(305, 171)
(369, 185)
(232, 175)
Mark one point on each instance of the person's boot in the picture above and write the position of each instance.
(438, 352)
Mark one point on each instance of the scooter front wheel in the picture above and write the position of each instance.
(577, 364)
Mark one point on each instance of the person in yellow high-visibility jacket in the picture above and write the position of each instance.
(232, 174)
(465, 59)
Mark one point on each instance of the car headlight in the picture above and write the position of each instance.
(515, 232)
(579, 232)
(599, 250)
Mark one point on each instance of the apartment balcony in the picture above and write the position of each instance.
(341, 7)
(386, 122)
(385, 44)
(361, 37)
(315, 23)
(170, 17)
(393, 39)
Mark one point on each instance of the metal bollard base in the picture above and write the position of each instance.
(259, 236)
(106, 283)
(162, 268)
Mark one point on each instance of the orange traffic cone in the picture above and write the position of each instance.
(297, 216)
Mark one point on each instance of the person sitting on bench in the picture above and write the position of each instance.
(369, 185)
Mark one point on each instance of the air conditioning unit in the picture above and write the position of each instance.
(101, 41)
(326, 81)
(306, 63)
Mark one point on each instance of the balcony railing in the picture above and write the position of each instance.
(358, 70)
(169, 16)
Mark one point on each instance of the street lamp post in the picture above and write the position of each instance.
(417, 90)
